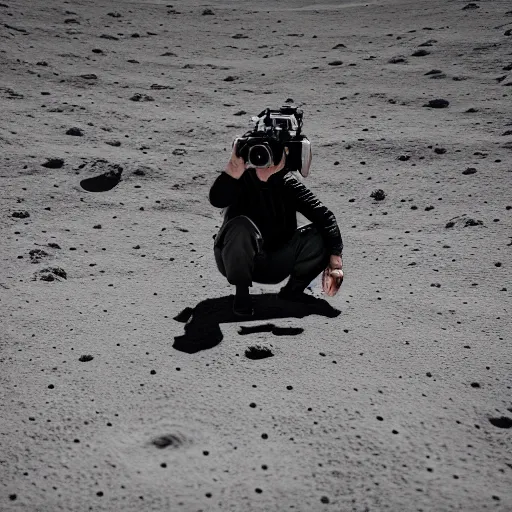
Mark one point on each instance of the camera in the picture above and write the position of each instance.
(273, 130)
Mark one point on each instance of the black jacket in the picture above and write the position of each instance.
(272, 206)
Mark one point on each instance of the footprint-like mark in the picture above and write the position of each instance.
(174, 440)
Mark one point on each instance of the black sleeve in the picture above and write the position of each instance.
(308, 205)
(224, 191)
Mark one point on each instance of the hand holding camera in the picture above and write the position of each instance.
(236, 165)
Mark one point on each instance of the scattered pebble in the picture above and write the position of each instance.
(20, 214)
(437, 103)
(378, 195)
(142, 97)
(53, 163)
(76, 132)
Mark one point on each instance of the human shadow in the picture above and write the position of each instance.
(202, 323)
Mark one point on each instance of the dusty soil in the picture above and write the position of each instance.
(125, 381)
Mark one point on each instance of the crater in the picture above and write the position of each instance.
(174, 440)
(258, 352)
(502, 422)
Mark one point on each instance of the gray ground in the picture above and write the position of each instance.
(395, 395)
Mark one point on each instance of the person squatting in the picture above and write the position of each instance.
(259, 240)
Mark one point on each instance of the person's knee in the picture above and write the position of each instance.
(241, 225)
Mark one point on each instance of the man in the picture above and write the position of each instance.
(259, 240)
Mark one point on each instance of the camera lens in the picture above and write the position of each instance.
(259, 156)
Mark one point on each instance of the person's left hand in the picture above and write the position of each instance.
(332, 276)
(265, 173)
(335, 262)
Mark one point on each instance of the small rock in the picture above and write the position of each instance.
(240, 113)
(76, 132)
(158, 87)
(397, 60)
(433, 72)
(85, 358)
(114, 143)
(430, 42)
(20, 214)
(37, 254)
(437, 103)
(420, 53)
(471, 5)
(208, 12)
(142, 97)
(335, 63)
(53, 163)
(473, 222)
(89, 76)
(469, 170)
(378, 195)
(50, 273)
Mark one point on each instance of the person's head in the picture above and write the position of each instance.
(263, 147)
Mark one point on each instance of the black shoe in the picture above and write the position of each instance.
(242, 306)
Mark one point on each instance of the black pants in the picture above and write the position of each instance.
(241, 259)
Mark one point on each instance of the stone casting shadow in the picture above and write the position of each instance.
(202, 323)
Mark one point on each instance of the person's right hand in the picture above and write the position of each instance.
(236, 165)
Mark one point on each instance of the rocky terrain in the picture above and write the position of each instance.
(126, 382)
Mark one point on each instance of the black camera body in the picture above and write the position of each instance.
(274, 130)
